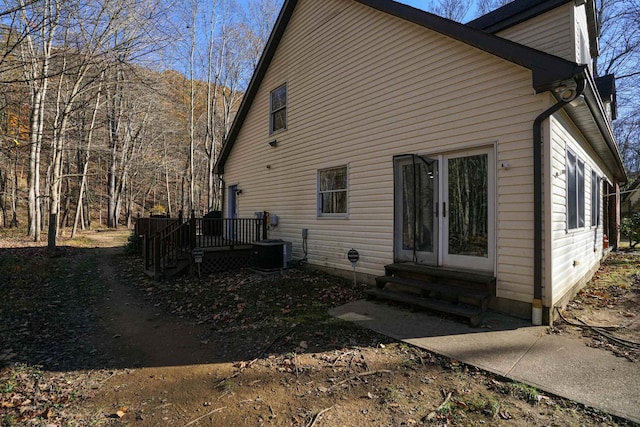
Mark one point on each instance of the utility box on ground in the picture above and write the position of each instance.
(269, 255)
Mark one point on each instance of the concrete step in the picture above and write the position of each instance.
(470, 296)
(472, 313)
(441, 274)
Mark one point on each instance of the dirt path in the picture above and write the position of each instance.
(139, 335)
(87, 339)
(165, 370)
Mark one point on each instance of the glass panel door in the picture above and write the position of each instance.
(468, 210)
(416, 222)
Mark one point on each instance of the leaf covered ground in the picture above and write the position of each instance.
(86, 339)
(606, 313)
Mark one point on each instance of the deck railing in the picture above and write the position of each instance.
(227, 232)
(153, 225)
(166, 241)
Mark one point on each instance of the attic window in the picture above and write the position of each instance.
(278, 118)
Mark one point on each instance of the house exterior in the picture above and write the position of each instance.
(483, 147)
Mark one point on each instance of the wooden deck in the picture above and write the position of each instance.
(168, 245)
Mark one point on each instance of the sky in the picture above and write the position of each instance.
(423, 4)
(420, 4)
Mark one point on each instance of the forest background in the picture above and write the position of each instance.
(114, 108)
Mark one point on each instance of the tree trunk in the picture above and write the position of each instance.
(85, 162)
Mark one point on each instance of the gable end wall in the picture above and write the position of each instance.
(364, 86)
(552, 32)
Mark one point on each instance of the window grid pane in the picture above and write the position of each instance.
(279, 109)
(595, 199)
(279, 98)
(333, 191)
(571, 192)
(575, 192)
(279, 120)
(333, 179)
(580, 185)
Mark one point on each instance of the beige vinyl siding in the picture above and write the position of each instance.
(551, 32)
(581, 37)
(364, 86)
(575, 252)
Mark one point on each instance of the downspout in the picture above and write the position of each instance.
(536, 312)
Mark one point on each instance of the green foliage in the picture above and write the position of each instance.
(630, 227)
(134, 243)
(521, 391)
(158, 210)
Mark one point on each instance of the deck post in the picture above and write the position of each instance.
(258, 229)
(145, 250)
(192, 230)
(156, 258)
(264, 225)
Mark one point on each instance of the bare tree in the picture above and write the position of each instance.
(134, 37)
(14, 124)
(10, 9)
(36, 51)
(84, 152)
(455, 10)
(227, 67)
(619, 30)
(193, 40)
(486, 6)
(215, 55)
(259, 19)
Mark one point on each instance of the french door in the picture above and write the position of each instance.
(445, 209)
(416, 216)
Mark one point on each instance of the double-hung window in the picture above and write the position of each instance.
(595, 198)
(575, 191)
(278, 109)
(332, 191)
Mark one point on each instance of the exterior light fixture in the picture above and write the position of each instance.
(567, 91)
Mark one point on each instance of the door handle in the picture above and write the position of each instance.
(444, 209)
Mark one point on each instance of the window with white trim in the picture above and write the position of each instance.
(332, 191)
(575, 191)
(278, 109)
(595, 198)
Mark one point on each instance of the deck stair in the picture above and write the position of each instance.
(172, 267)
(458, 292)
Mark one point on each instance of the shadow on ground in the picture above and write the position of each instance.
(92, 308)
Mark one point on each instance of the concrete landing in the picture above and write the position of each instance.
(558, 364)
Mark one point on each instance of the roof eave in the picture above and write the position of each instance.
(604, 136)
(597, 109)
(513, 13)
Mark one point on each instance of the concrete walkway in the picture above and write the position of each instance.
(558, 364)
